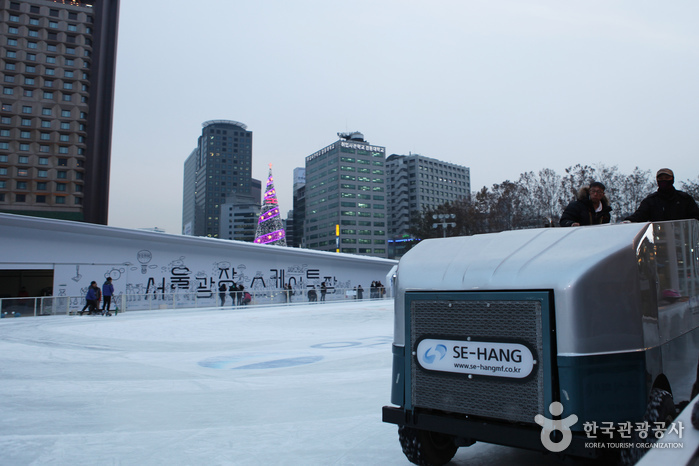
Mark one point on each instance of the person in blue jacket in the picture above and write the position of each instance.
(92, 298)
(107, 293)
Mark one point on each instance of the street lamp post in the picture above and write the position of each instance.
(443, 222)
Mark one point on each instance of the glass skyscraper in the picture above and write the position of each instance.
(220, 166)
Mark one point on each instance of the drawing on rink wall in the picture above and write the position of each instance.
(193, 277)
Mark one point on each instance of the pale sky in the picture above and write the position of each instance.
(502, 87)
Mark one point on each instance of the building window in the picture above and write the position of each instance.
(67, 85)
(45, 136)
(48, 95)
(31, 56)
(46, 111)
(24, 147)
(50, 59)
(10, 66)
(65, 125)
(61, 187)
(60, 199)
(8, 90)
(29, 81)
(67, 97)
(26, 121)
(25, 134)
(42, 173)
(3, 171)
(43, 161)
(20, 198)
(41, 186)
(43, 148)
(28, 93)
(48, 83)
(53, 24)
(62, 162)
(12, 42)
(9, 78)
(49, 71)
(26, 109)
(13, 30)
(11, 54)
(62, 150)
(51, 48)
(64, 138)
(22, 172)
(45, 124)
(41, 199)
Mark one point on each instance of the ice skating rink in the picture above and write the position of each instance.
(296, 385)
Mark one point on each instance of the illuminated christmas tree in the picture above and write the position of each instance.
(270, 229)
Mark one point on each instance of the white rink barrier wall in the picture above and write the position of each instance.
(168, 268)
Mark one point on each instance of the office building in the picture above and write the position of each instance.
(294, 233)
(57, 67)
(239, 217)
(218, 169)
(416, 183)
(346, 197)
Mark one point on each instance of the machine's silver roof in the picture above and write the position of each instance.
(546, 258)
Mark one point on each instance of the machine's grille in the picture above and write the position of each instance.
(496, 320)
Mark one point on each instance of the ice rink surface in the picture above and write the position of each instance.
(296, 385)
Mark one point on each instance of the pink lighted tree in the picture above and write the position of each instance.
(270, 229)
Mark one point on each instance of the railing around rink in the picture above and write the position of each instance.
(73, 305)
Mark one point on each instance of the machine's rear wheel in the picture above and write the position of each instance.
(661, 408)
(426, 448)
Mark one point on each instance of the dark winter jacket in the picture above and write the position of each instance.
(92, 293)
(107, 289)
(660, 206)
(583, 212)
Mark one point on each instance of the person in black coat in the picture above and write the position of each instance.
(591, 208)
(667, 203)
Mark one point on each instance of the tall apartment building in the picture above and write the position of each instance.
(346, 197)
(220, 167)
(416, 183)
(57, 67)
